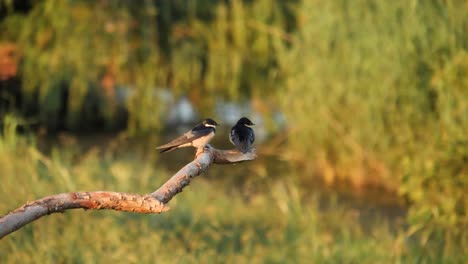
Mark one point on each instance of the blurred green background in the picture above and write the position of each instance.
(362, 112)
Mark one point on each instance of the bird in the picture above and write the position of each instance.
(197, 137)
(242, 135)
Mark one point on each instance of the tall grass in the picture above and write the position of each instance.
(377, 93)
(281, 225)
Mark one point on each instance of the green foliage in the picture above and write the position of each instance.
(375, 93)
(71, 45)
(386, 100)
(204, 225)
(9, 133)
(202, 50)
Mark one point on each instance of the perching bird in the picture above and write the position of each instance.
(242, 135)
(197, 137)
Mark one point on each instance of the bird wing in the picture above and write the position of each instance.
(252, 136)
(231, 136)
(247, 142)
(184, 139)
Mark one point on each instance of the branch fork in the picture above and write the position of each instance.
(149, 203)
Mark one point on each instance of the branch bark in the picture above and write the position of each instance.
(203, 159)
(149, 203)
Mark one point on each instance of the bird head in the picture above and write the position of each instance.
(209, 123)
(245, 121)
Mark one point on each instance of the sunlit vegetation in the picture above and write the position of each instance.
(380, 93)
(375, 95)
(282, 224)
(75, 52)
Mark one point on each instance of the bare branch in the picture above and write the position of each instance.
(152, 203)
(203, 160)
(87, 200)
(232, 156)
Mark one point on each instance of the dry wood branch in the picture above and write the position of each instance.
(203, 160)
(87, 200)
(232, 156)
(152, 203)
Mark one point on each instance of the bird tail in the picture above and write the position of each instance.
(168, 149)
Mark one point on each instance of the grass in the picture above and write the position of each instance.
(376, 93)
(205, 224)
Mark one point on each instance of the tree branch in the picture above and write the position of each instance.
(150, 203)
(203, 159)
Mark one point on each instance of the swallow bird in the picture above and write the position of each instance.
(242, 134)
(197, 137)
